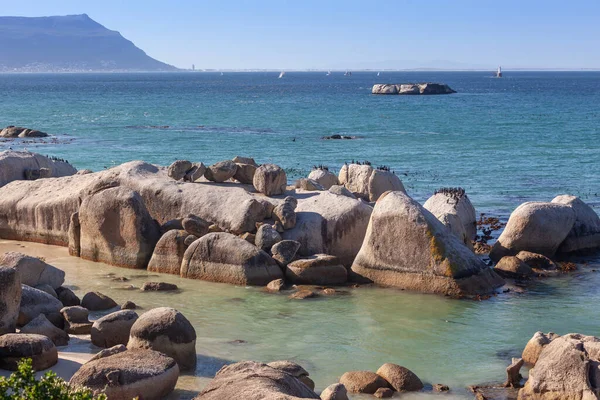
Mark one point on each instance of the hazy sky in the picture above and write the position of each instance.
(301, 34)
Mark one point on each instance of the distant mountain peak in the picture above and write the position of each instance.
(69, 43)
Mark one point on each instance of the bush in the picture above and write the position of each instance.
(22, 385)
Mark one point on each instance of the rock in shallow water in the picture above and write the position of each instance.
(362, 382)
(401, 379)
(96, 301)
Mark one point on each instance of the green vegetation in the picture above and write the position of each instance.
(22, 385)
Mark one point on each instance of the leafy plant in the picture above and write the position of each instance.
(22, 385)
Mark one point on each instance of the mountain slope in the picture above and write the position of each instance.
(69, 43)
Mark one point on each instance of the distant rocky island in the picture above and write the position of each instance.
(72, 43)
(412, 88)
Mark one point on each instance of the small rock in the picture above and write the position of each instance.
(383, 393)
(214, 228)
(337, 391)
(41, 326)
(513, 376)
(196, 172)
(400, 379)
(285, 212)
(158, 287)
(512, 267)
(221, 171)
(109, 352)
(341, 190)
(303, 294)
(76, 320)
(96, 301)
(195, 225)
(362, 382)
(113, 329)
(308, 185)
(276, 285)
(439, 387)
(324, 178)
(244, 160)
(249, 237)
(178, 169)
(285, 251)
(128, 305)
(278, 226)
(245, 173)
(266, 237)
(173, 224)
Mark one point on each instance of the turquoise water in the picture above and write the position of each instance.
(530, 135)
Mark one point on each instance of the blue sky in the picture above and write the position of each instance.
(353, 34)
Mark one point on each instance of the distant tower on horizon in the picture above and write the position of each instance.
(499, 72)
(193, 67)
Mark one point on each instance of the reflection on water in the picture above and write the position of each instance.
(455, 342)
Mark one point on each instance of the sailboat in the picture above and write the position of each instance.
(282, 74)
(347, 73)
(499, 72)
(378, 73)
(328, 73)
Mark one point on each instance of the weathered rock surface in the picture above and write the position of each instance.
(341, 190)
(113, 329)
(111, 351)
(535, 260)
(308, 185)
(245, 173)
(168, 253)
(35, 302)
(166, 330)
(512, 267)
(585, 234)
(15, 347)
(178, 169)
(536, 227)
(14, 164)
(116, 228)
(223, 257)
(285, 212)
(76, 320)
(67, 297)
(266, 237)
(195, 225)
(196, 172)
(295, 370)
(534, 347)
(32, 270)
(270, 179)
(250, 380)
(221, 171)
(158, 287)
(401, 379)
(320, 269)
(337, 391)
(284, 252)
(324, 178)
(383, 393)
(143, 374)
(275, 285)
(412, 88)
(513, 374)
(48, 289)
(362, 382)
(368, 183)
(10, 299)
(96, 301)
(454, 209)
(407, 247)
(41, 326)
(20, 132)
(567, 368)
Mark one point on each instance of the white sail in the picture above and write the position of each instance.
(281, 75)
(499, 72)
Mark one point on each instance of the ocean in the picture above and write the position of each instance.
(527, 136)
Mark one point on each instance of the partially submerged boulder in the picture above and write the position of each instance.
(20, 132)
(535, 260)
(35, 302)
(116, 228)
(454, 209)
(319, 269)
(536, 227)
(567, 368)
(10, 299)
(223, 257)
(512, 267)
(585, 234)
(401, 379)
(363, 382)
(15, 347)
(96, 301)
(367, 182)
(166, 330)
(143, 374)
(32, 270)
(41, 326)
(113, 329)
(270, 179)
(250, 380)
(407, 247)
(168, 253)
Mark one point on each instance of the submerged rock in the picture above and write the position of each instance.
(363, 382)
(512, 267)
(19, 132)
(407, 247)
(253, 381)
(96, 301)
(223, 257)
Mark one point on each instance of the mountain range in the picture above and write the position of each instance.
(71, 43)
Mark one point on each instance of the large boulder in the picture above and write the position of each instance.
(285, 212)
(536, 344)
(363, 382)
(15, 347)
(76, 320)
(221, 171)
(35, 302)
(117, 229)
(32, 270)
(250, 380)
(323, 177)
(131, 374)
(384, 88)
(13, 165)
(96, 301)
(223, 257)
(41, 326)
(10, 299)
(536, 227)
(320, 269)
(67, 297)
(113, 329)
(567, 368)
(330, 224)
(367, 182)
(20, 132)
(166, 330)
(168, 253)
(270, 179)
(585, 234)
(401, 379)
(245, 172)
(407, 247)
(512, 267)
(454, 209)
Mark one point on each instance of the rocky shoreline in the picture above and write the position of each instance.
(239, 222)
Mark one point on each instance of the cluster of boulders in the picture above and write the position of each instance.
(388, 379)
(411, 88)
(23, 165)
(12, 131)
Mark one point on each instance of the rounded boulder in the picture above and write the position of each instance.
(15, 347)
(113, 329)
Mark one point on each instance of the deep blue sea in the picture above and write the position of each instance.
(527, 136)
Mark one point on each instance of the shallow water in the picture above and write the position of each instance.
(530, 135)
(455, 342)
